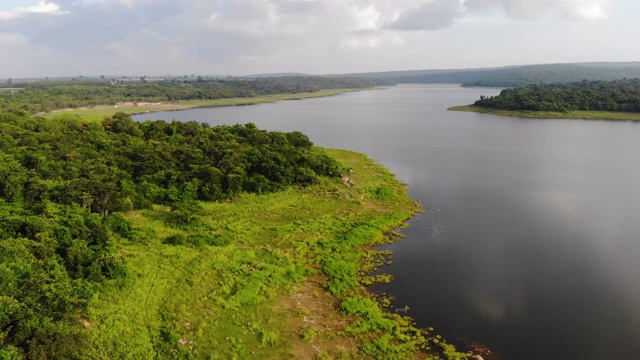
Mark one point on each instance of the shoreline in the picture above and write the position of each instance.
(329, 244)
(571, 115)
(134, 108)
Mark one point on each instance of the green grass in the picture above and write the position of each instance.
(221, 302)
(100, 112)
(586, 115)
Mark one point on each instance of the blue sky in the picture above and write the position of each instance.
(234, 37)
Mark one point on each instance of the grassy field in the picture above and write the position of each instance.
(100, 112)
(587, 115)
(286, 281)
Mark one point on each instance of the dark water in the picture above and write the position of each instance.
(531, 243)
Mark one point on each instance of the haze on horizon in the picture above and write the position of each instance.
(236, 37)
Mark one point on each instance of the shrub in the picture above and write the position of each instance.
(383, 193)
(176, 239)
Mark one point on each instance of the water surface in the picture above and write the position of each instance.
(531, 240)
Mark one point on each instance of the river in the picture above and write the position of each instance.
(531, 240)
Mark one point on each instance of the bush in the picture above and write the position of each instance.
(176, 239)
(383, 193)
(200, 240)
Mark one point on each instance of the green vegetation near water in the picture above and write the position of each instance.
(101, 111)
(42, 97)
(583, 115)
(178, 240)
(607, 100)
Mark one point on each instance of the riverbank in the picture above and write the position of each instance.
(102, 111)
(584, 115)
(289, 283)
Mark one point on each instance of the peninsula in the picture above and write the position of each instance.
(606, 100)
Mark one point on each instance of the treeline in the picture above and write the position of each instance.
(556, 73)
(513, 76)
(44, 96)
(65, 183)
(617, 95)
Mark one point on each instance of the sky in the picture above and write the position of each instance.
(49, 38)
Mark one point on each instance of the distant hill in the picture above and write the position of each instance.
(512, 76)
(270, 75)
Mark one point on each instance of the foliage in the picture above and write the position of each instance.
(48, 264)
(617, 95)
(512, 76)
(178, 240)
(45, 96)
(383, 193)
(64, 184)
(120, 164)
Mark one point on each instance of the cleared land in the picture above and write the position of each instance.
(102, 111)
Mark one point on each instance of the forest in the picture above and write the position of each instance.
(512, 76)
(47, 95)
(65, 184)
(621, 95)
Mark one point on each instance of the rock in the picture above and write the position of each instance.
(346, 180)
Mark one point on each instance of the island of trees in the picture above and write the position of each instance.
(608, 100)
(617, 95)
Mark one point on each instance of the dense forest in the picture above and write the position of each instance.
(617, 95)
(512, 76)
(64, 185)
(43, 96)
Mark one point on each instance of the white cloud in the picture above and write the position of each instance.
(360, 43)
(43, 7)
(314, 36)
(13, 39)
(538, 9)
(365, 18)
(433, 15)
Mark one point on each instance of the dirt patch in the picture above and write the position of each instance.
(139, 104)
(84, 321)
(475, 348)
(315, 322)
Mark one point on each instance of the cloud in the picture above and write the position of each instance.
(315, 36)
(43, 7)
(12, 39)
(357, 43)
(538, 9)
(434, 15)
(440, 14)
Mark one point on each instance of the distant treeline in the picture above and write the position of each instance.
(44, 96)
(515, 75)
(617, 95)
(64, 184)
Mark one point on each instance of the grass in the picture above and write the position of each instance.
(102, 111)
(275, 291)
(586, 115)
